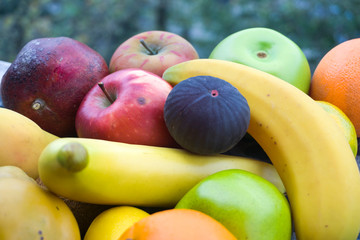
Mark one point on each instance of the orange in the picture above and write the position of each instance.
(177, 224)
(343, 122)
(336, 79)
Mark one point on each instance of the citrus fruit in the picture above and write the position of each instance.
(177, 224)
(347, 127)
(110, 224)
(336, 79)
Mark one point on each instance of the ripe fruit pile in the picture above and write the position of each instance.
(149, 138)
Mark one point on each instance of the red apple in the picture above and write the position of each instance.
(129, 109)
(153, 51)
(48, 80)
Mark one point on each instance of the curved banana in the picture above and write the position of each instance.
(308, 150)
(21, 141)
(107, 172)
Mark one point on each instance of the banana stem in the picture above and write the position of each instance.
(73, 157)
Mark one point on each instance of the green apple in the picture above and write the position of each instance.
(246, 204)
(269, 51)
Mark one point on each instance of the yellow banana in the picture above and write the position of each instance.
(106, 172)
(22, 141)
(308, 150)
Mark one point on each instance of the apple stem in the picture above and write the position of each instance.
(101, 85)
(151, 52)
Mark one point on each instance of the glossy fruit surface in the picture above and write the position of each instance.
(336, 79)
(177, 224)
(206, 115)
(269, 51)
(343, 122)
(246, 204)
(110, 224)
(135, 113)
(49, 78)
(79, 168)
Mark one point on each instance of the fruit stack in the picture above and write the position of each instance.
(147, 147)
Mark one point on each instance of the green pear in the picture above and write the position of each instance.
(248, 205)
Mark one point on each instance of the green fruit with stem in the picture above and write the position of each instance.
(269, 51)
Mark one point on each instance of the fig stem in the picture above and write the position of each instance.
(101, 85)
(151, 52)
(73, 156)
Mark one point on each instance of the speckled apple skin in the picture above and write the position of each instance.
(57, 72)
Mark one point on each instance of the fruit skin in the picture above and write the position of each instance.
(30, 212)
(246, 204)
(170, 49)
(136, 115)
(48, 80)
(110, 224)
(3, 67)
(22, 141)
(206, 115)
(343, 122)
(336, 79)
(177, 224)
(269, 51)
(106, 172)
(316, 165)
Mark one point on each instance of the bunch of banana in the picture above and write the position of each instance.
(106, 172)
(310, 153)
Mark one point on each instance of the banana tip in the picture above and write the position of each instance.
(73, 156)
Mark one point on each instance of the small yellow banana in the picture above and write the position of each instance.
(21, 141)
(308, 150)
(106, 172)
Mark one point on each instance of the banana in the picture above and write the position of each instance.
(22, 141)
(308, 150)
(106, 172)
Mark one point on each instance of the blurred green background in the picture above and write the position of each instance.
(315, 25)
